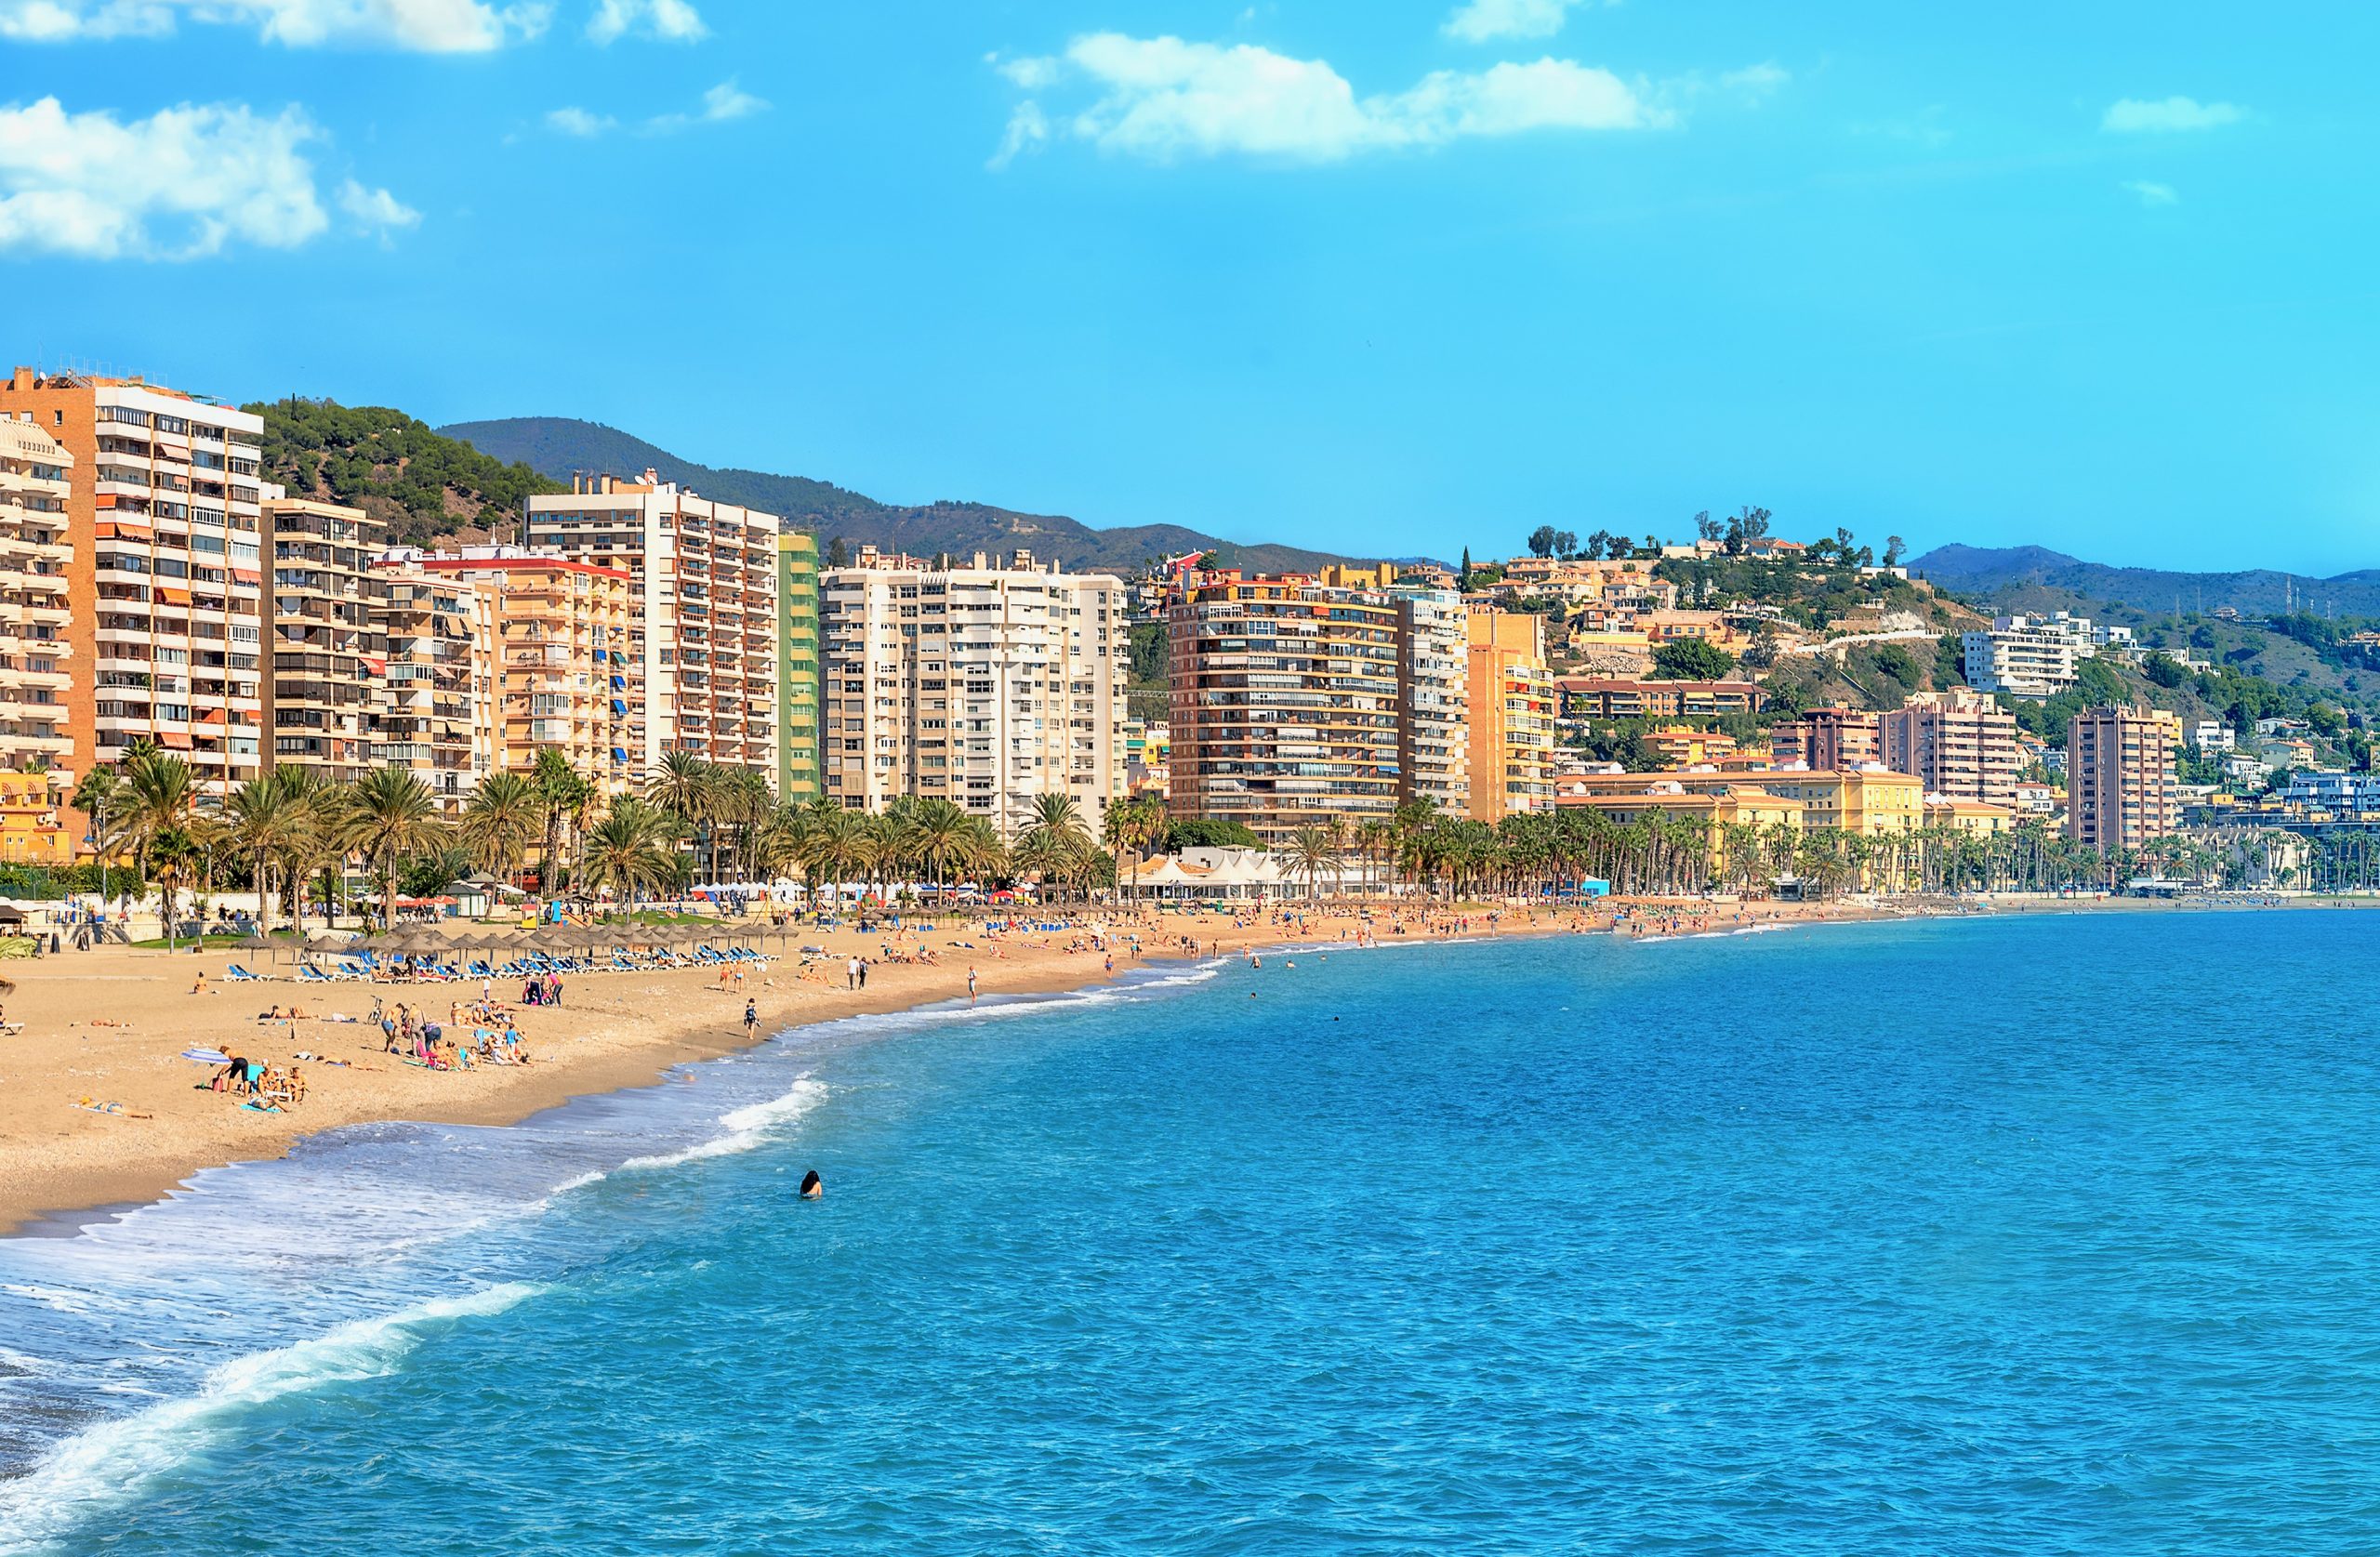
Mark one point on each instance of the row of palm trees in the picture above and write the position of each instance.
(293, 826)
(1660, 854)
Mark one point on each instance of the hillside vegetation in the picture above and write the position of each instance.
(423, 484)
(558, 446)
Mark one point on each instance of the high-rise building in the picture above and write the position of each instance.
(35, 664)
(2119, 788)
(986, 685)
(1434, 752)
(2020, 657)
(1826, 738)
(797, 772)
(1294, 702)
(164, 583)
(436, 716)
(1512, 714)
(318, 683)
(567, 673)
(1960, 743)
(704, 580)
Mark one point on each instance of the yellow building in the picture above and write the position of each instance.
(1511, 704)
(1683, 745)
(1977, 818)
(1727, 804)
(1874, 803)
(34, 821)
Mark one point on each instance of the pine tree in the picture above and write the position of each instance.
(1462, 576)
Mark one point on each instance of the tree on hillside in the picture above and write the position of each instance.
(1541, 541)
(1753, 523)
(1691, 659)
(1895, 550)
(1706, 528)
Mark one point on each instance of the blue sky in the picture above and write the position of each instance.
(1377, 276)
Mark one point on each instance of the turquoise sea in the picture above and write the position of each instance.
(2054, 1233)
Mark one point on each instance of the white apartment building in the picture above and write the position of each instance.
(703, 609)
(986, 685)
(33, 554)
(2213, 735)
(2020, 658)
(1434, 735)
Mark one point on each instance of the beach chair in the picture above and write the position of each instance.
(309, 974)
(239, 975)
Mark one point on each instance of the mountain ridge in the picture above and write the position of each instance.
(2037, 577)
(558, 447)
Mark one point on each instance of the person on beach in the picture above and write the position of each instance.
(850, 974)
(813, 1187)
(970, 986)
(751, 1018)
(863, 973)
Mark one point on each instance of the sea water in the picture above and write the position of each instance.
(2041, 1234)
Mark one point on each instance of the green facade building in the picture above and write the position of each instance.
(798, 778)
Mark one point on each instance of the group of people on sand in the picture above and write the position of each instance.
(265, 1086)
(412, 1036)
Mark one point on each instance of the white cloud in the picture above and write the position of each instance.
(2153, 194)
(2134, 116)
(1757, 81)
(1032, 73)
(1164, 99)
(429, 26)
(374, 210)
(672, 21)
(182, 183)
(722, 103)
(1028, 130)
(1479, 22)
(728, 101)
(579, 122)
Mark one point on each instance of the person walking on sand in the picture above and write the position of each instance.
(850, 974)
(970, 986)
(863, 973)
(751, 1018)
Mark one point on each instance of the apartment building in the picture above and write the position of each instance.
(35, 826)
(2022, 659)
(1434, 752)
(2120, 790)
(1826, 738)
(1293, 703)
(566, 669)
(164, 585)
(34, 550)
(1628, 697)
(704, 626)
(1960, 743)
(1511, 714)
(319, 682)
(798, 775)
(984, 684)
(435, 714)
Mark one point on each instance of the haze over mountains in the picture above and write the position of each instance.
(2035, 577)
(557, 446)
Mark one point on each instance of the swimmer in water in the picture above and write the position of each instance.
(811, 1187)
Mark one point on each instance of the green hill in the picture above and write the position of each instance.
(558, 446)
(423, 484)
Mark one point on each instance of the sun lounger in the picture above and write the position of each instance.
(240, 975)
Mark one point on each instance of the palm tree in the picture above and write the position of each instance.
(160, 802)
(939, 831)
(632, 848)
(500, 821)
(389, 815)
(691, 789)
(264, 821)
(564, 794)
(1312, 851)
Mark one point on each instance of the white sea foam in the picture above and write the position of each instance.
(115, 1459)
(746, 1127)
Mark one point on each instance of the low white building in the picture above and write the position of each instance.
(2020, 658)
(2213, 735)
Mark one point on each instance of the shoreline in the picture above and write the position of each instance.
(64, 1168)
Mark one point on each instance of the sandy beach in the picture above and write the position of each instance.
(99, 1108)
